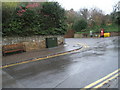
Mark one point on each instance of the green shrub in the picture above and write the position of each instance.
(46, 18)
(80, 25)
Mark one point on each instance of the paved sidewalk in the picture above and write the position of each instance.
(8, 59)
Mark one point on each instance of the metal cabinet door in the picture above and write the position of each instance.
(51, 42)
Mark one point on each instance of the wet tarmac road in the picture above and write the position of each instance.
(69, 71)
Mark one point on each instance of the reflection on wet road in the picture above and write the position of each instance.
(75, 70)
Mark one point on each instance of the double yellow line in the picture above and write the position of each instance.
(99, 83)
(46, 57)
(83, 45)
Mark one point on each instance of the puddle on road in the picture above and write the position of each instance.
(100, 49)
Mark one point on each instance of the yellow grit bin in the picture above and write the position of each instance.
(106, 34)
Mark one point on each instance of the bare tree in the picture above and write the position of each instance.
(97, 16)
(84, 12)
(116, 8)
(116, 13)
(72, 16)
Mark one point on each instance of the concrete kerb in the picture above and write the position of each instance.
(44, 57)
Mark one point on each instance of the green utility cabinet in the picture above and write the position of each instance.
(51, 42)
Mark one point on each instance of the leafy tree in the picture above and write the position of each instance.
(80, 25)
(53, 13)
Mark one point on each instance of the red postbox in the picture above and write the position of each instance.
(102, 33)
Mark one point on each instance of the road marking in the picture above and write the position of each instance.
(102, 79)
(23, 62)
(46, 57)
(100, 85)
(84, 45)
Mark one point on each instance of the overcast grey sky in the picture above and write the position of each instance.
(105, 5)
